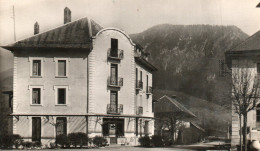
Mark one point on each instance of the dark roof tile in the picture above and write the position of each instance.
(75, 34)
(251, 43)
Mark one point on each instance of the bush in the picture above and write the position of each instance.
(78, 139)
(27, 144)
(36, 144)
(52, 145)
(167, 140)
(157, 140)
(62, 140)
(99, 141)
(7, 141)
(17, 140)
(145, 141)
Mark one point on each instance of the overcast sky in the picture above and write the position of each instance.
(132, 16)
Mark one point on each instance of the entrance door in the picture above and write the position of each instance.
(36, 129)
(113, 128)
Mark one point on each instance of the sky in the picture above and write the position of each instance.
(132, 16)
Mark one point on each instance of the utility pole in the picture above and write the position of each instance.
(14, 24)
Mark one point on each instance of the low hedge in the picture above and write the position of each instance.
(99, 141)
(145, 141)
(8, 141)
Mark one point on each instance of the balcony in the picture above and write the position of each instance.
(139, 85)
(139, 110)
(115, 54)
(114, 82)
(149, 90)
(114, 108)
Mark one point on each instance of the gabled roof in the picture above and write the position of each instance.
(250, 44)
(197, 126)
(168, 104)
(76, 34)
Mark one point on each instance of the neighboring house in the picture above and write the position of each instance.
(246, 55)
(81, 77)
(174, 121)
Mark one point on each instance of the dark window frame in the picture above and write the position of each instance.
(114, 47)
(61, 123)
(64, 74)
(36, 71)
(258, 68)
(61, 99)
(38, 97)
(36, 129)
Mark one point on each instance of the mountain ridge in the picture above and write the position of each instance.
(188, 57)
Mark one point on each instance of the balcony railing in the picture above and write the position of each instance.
(115, 54)
(114, 108)
(115, 82)
(139, 110)
(149, 90)
(139, 85)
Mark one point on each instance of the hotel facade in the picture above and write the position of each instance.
(81, 77)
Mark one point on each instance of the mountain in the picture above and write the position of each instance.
(188, 56)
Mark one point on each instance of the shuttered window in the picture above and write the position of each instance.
(36, 69)
(62, 68)
(61, 127)
(36, 96)
(61, 96)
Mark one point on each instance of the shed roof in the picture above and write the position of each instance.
(197, 126)
(76, 34)
(250, 44)
(168, 104)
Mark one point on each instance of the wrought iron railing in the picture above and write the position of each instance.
(115, 54)
(149, 90)
(115, 81)
(139, 110)
(114, 108)
(139, 85)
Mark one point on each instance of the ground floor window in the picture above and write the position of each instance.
(36, 129)
(61, 126)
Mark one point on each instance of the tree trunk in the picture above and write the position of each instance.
(240, 133)
(245, 132)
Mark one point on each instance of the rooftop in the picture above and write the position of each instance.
(250, 44)
(76, 34)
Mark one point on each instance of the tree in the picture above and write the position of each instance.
(245, 95)
(170, 121)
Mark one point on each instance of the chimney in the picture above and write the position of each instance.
(67, 15)
(36, 28)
